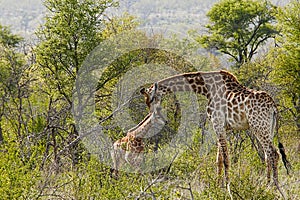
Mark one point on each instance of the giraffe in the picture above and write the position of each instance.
(130, 148)
(231, 106)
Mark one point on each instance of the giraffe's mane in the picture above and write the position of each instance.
(139, 124)
(229, 75)
(222, 72)
(176, 75)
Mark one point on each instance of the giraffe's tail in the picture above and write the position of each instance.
(286, 163)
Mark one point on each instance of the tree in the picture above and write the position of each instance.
(8, 62)
(287, 64)
(239, 27)
(7, 38)
(71, 31)
(19, 148)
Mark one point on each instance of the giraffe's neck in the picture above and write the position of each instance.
(145, 125)
(141, 124)
(205, 83)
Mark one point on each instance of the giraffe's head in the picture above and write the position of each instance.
(152, 99)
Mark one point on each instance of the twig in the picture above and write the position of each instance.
(189, 189)
(156, 180)
(76, 140)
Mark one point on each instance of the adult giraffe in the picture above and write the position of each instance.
(230, 106)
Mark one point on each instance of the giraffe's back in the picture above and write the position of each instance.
(247, 108)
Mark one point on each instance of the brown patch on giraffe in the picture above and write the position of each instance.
(243, 117)
(204, 90)
(235, 109)
(194, 87)
(242, 106)
(199, 81)
(229, 104)
(190, 80)
(234, 102)
(230, 96)
(236, 117)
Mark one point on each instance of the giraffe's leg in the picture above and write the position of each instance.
(269, 164)
(128, 157)
(139, 161)
(268, 158)
(271, 158)
(225, 155)
(134, 159)
(219, 163)
(116, 162)
(274, 164)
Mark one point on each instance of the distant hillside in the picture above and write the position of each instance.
(24, 16)
(174, 14)
(169, 14)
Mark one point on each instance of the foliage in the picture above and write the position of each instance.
(18, 178)
(7, 38)
(287, 54)
(71, 31)
(42, 155)
(239, 28)
(19, 152)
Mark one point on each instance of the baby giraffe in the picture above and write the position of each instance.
(130, 148)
